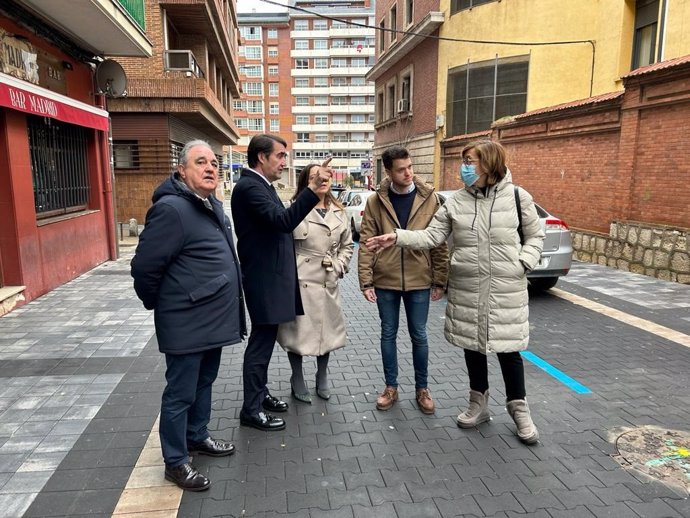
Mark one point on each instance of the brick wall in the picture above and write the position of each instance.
(620, 157)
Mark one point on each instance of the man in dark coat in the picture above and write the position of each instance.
(186, 270)
(269, 272)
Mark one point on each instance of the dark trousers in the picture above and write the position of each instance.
(186, 402)
(257, 356)
(511, 367)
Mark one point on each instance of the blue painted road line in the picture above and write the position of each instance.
(553, 371)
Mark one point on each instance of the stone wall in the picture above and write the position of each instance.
(656, 250)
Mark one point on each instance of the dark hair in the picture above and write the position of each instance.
(262, 143)
(393, 153)
(492, 157)
(303, 182)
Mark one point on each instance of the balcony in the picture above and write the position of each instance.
(104, 27)
(182, 60)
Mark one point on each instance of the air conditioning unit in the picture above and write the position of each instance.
(403, 105)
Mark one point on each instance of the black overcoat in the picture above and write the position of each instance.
(185, 268)
(265, 247)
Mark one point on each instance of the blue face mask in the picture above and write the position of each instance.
(468, 174)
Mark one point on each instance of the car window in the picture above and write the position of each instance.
(356, 200)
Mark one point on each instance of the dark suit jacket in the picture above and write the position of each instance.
(265, 248)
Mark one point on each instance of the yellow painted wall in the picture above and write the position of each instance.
(557, 73)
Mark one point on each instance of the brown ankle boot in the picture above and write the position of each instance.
(387, 398)
(426, 404)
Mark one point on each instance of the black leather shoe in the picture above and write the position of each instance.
(262, 421)
(273, 404)
(187, 477)
(212, 447)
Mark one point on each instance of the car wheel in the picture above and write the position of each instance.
(543, 283)
(355, 234)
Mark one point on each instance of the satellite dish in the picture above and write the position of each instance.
(111, 79)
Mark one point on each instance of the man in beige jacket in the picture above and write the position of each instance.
(413, 276)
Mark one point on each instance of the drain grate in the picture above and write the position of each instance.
(661, 454)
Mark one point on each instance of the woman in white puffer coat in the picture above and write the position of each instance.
(488, 304)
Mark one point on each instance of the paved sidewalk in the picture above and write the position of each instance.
(82, 378)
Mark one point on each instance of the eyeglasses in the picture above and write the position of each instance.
(468, 161)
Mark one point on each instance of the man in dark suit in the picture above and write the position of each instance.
(269, 272)
(186, 270)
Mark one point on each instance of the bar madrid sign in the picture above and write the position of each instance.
(36, 105)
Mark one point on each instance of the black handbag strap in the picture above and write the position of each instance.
(519, 213)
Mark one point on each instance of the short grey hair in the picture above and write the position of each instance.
(182, 160)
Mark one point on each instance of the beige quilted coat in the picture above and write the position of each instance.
(488, 304)
(322, 327)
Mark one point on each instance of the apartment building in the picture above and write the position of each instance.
(405, 77)
(323, 95)
(264, 105)
(55, 185)
(183, 92)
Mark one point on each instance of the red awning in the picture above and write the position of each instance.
(29, 98)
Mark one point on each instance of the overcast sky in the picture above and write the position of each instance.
(247, 6)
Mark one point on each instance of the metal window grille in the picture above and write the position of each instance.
(58, 166)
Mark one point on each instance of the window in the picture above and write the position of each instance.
(321, 44)
(358, 81)
(390, 101)
(301, 82)
(459, 5)
(301, 101)
(272, 34)
(473, 105)
(394, 23)
(357, 118)
(275, 125)
(255, 125)
(126, 154)
(251, 33)
(339, 154)
(253, 88)
(644, 40)
(302, 154)
(241, 123)
(338, 44)
(301, 25)
(358, 154)
(321, 119)
(255, 106)
(301, 64)
(320, 82)
(339, 81)
(340, 100)
(302, 119)
(252, 52)
(409, 12)
(358, 99)
(339, 137)
(406, 90)
(303, 137)
(321, 63)
(321, 100)
(273, 89)
(272, 70)
(357, 137)
(272, 52)
(380, 114)
(320, 154)
(301, 44)
(337, 24)
(273, 109)
(382, 36)
(239, 106)
(339, 118)
(59, 165)
(320, 25)
(251, 70)
(321, 137)
(359, 62)
(339, 62)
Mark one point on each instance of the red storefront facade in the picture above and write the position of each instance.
(56, 197)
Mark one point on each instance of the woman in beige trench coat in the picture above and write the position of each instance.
(323, 249)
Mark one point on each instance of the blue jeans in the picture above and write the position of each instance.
(416, 309)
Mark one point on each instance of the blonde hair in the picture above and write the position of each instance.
(492, 157)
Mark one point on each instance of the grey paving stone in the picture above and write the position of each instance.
(16, 504)
(317, 499)
(426, 509)
(657, 508)
(385, 510)
(394, 493)
(340, 497)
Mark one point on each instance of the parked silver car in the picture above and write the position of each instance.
(556, 257)
(354, 211)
